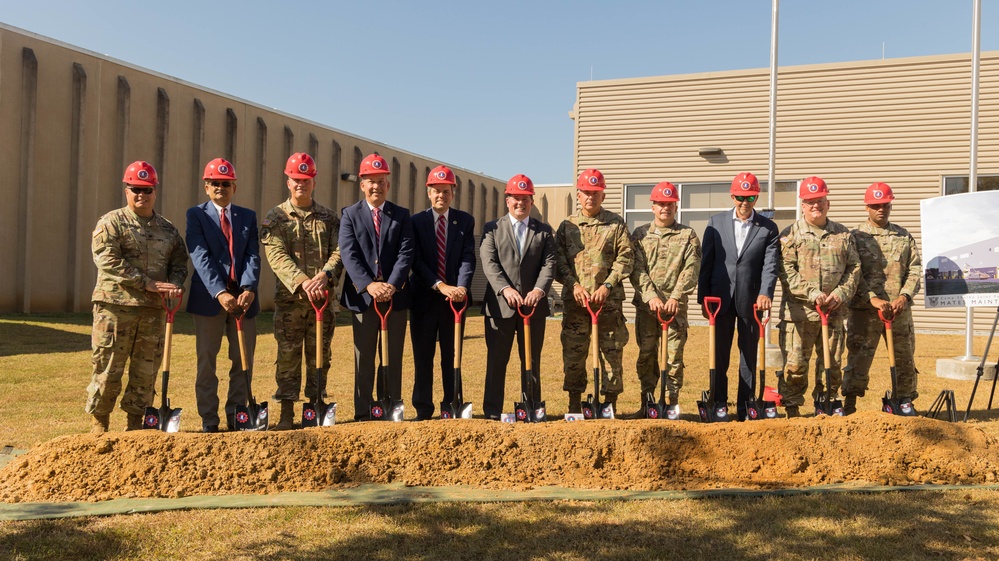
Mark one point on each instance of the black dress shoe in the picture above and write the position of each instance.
(210, 428)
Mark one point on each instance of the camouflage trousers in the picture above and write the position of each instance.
(612, 337)
(295, 331)
(862, 339)
(132, 334)
(648, 332)
(797, 342)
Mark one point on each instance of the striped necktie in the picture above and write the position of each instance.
(441, 247)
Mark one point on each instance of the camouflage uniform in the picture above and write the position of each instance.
(667, 262)
(591, 252)
(891, 266)
(130, 251)
(299, 244)
(814, 261)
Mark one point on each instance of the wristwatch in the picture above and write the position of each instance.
(329, 275)
(609, 286)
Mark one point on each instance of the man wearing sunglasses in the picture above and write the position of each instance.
(222, 239)
(819, 266)
(140, 258)
(892, 268)
(739, 265)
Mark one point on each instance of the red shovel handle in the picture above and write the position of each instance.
(458, 311)
(319, 311)
(665, 322)
(527, 317)
(593, 315)
(761, 322)
(381, 316)
(712, 301)
(887, 320)
(823, 315)
(171, 311)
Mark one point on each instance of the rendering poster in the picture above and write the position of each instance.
(961, 250)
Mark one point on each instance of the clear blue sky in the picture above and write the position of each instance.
(483, 85)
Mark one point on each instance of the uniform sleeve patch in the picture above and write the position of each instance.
(267, 222)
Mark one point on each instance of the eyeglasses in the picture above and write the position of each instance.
(225, 184)
(814, 202)
(742, 199)
(142, 190)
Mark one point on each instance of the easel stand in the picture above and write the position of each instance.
(981, 370)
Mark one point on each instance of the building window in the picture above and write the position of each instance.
(959, 184)
(698, 201)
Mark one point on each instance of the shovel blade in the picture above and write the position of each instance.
(327, 417)
(753, 410)
(249, 418)
(539, 412)
(835, 406)
(655, 411)
(310, 414)
(769, 410)
(378, 411)
(465, 411)
(522, 410)
(606, 410)
(589, 408)
(704, 408)
(262, 417)
(171, 421)
(396, 410)
(151, 419)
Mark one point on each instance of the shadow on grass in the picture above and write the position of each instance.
(66, 539)
(17, 337)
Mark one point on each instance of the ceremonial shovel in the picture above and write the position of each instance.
(706, 407)
(660, 410)
(252, 416)
(890, 403)
(592, 408)
(386, 408)
(826, 404)
(762, 408)
(164, 418)
(457, 409)
(528, 410)
(319, 413)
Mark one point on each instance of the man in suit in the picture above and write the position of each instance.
(376, 245)
(222, 241)
(443, 263)
(741, 254)
(518, 258)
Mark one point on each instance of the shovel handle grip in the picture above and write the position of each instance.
(527, 317)
(665, 322)
(824, 316)
(171, 311)
(593, 315)
(712, 301)
(319, 310)
(458, 311)
(382, 316)
(887, 320)
(761, 322)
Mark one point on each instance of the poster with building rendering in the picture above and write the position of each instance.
(961, 250)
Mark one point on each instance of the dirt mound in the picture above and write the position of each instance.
(866, 447)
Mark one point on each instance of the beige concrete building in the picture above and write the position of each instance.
(71, 120)
(905, 122)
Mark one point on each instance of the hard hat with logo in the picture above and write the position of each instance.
(374, 164)
(878, 193)
(812, 188)
(441, 175)
(591, 180)
(665, 192)
(519, 184)
(300, 166)
(220, 168)
(140, 173)
(745, 184)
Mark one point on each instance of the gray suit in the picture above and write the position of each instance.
(738, 279)
(504, 267)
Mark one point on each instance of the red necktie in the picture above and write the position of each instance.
(376, 216)
(227, 232)
(441, 245)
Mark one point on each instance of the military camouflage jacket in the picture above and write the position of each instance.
(816, 261)
(592, 251)
(890, 263)
(300, 244)
(667, 262)
(131, 251)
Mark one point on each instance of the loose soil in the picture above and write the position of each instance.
(868, 447)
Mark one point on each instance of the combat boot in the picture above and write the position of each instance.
(134, 421)
(575, 402)
(640, 414)
(792, 411)
(850, 405)
(99, 424)
(287, 421)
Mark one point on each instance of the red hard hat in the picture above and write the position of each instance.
(440, 175)
(140, 173)
(519, 184)
(591, 180)
(220, 168)
(812, 188)
(878, 193)
(374, 164)
(665, 192)
(745, 184)
(300, 166)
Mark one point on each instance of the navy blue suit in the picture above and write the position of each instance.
(361, 262)
(433, 319)
(210, 254)
(738, 279)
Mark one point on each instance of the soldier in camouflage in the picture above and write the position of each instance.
(819, 267)
(891, 270)
(141, 259)
(300, 241)
(593, 257)
(667, 262)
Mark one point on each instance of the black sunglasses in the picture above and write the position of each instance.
(742, 199)
(225, 184)
(141, 190)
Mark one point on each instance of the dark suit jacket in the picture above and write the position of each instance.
(210, 254)
(361, 257)
(503, 267)
(459, 254)
(734, 277)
